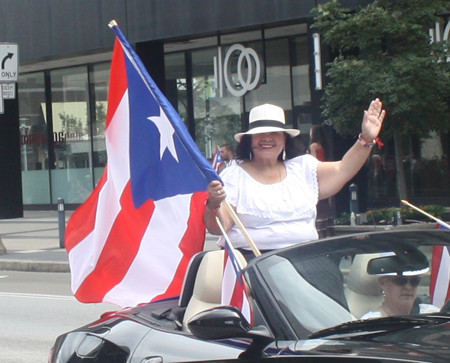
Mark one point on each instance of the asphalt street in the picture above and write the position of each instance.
(32, 243)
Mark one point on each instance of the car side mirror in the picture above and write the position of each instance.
(226, 322)
(219, 323)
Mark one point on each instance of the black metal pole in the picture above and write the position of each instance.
(61, 222)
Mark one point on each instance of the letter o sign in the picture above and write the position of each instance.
(248, 69)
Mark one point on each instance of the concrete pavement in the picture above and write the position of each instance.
(32, 243)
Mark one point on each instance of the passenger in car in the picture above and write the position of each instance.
(400, 296)
(275, 194)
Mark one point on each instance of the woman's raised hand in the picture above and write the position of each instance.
(372, 121)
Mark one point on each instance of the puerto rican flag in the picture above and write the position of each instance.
(440, 273)
(217, 162)
(233, 286)
(132, 239)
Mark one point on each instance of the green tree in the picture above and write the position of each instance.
(384, 50)
(72, 124)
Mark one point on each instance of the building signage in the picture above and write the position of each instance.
(248, 70)
(9, 60)
(439, 33)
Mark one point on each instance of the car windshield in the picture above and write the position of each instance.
(326, 283)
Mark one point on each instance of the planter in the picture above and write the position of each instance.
(343, 230)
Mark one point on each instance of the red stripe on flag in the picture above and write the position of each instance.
(118, 81)
(435, 263)
(191, 243)
(115, 260)
(82, 221)
(237, 297)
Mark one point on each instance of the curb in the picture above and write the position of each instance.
(33, 266)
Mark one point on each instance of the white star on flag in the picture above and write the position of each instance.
(166, 131)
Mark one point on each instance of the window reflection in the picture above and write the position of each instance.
(100, 82)
(33, 139)
(71, 176)
(217, 119)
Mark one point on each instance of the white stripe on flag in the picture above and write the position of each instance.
(118, 146)
(442, 280)
(108, 206)
(246, 307)
(161, 235)
(228, 282)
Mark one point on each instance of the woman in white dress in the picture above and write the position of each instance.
(274, 196)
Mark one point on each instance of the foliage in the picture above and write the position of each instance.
(384, 51)
(214, 120)
(72, 124)
(343, 219)
(100, 118)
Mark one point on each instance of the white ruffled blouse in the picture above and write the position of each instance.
(275, 215)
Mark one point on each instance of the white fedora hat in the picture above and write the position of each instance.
(266, 118)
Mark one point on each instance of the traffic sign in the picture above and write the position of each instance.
(9, 60)
(9, 91)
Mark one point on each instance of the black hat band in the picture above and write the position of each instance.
(263, 123)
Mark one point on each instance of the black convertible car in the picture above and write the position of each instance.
(307, 302)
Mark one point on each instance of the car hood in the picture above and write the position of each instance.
(428, 343)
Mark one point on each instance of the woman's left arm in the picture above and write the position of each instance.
(332, 176)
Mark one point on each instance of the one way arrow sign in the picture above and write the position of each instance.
(9, 60)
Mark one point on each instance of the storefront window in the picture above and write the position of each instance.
(99, 82)
(176, 87)
(71, 176)
(33, 139)
(277, 88)
(301, 92)
(217, 119)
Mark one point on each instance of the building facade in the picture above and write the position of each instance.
(213, 59)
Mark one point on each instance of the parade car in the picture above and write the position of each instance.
(306, 304)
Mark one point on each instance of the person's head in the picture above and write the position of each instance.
(400, 291)
(267, 135)
(226, 152)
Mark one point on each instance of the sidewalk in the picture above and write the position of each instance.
(32, 243)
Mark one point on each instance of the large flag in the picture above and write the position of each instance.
(132, 239)
(233, 285)
(217, 162)
(440, 273)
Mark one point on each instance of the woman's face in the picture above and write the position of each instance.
(268, 145)
(400, 290)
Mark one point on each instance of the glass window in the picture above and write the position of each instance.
(277, 88)
(176, 88)
(217, 119)
(301, 91)
(33, 139)
(300, 72)
(100, 81)
(72, 174)
(320, 286)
